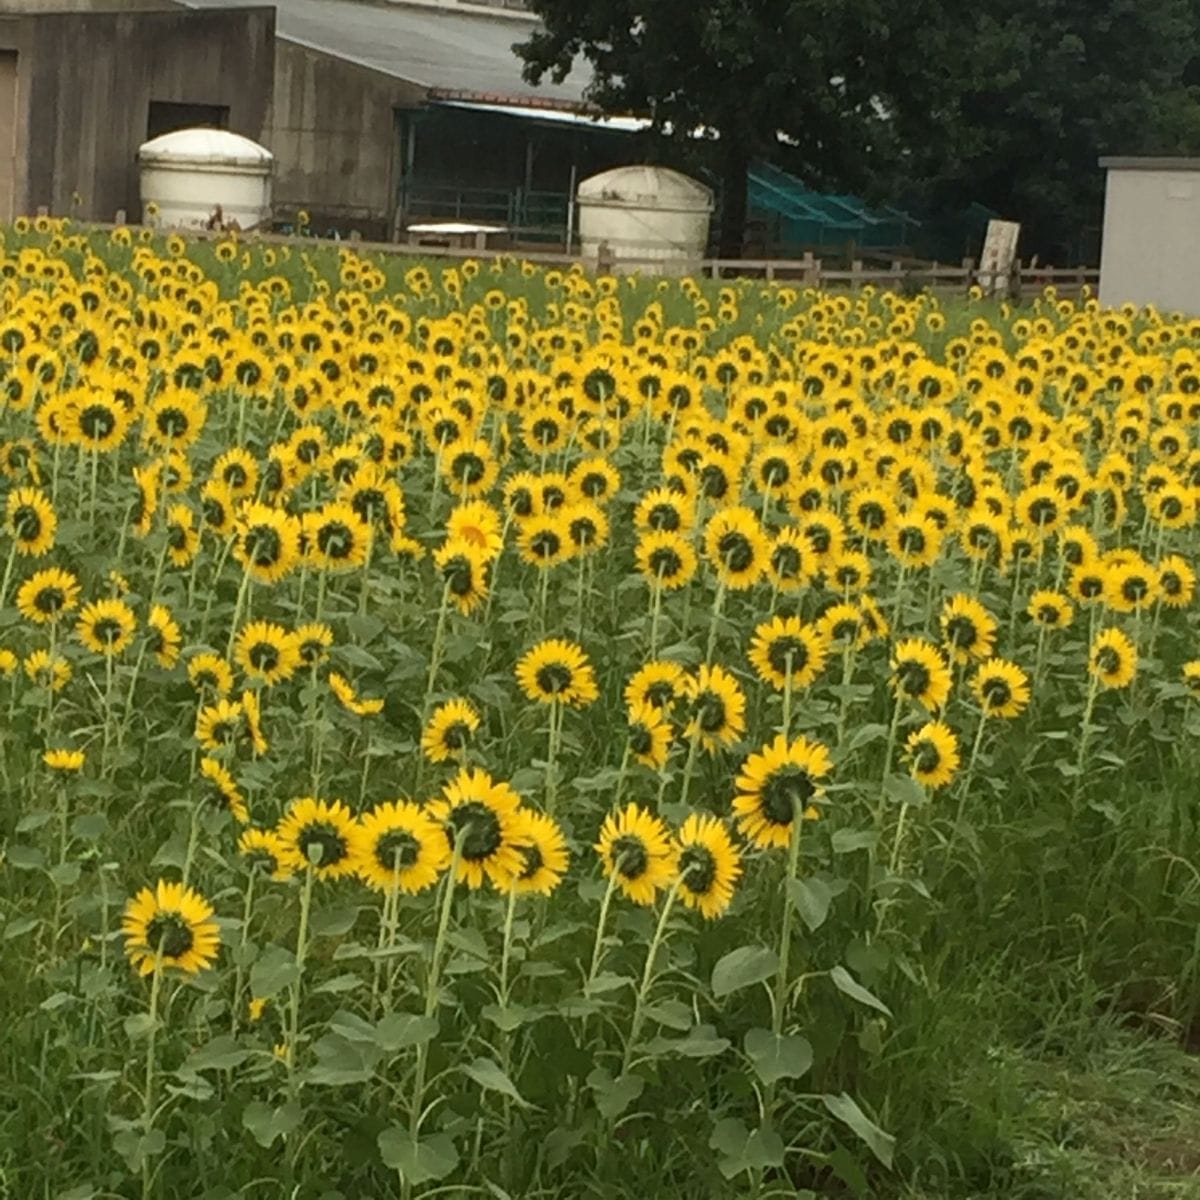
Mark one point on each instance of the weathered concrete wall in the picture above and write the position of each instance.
(87, 79)
(332, 130)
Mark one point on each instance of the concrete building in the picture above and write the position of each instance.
(82, 88)
(1150, 252)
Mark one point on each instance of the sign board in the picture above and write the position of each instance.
(999, 254)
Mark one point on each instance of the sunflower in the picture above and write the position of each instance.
(595, 479)
(30, 519)
(968, 629)
(709, 865)
(717, 707)
(784, 649)
(401, 848)
(1087, 581)
(226, 792)
(544, 540)
(920, 673)
(8, 663)
(1049, 609)
(266, 542)
(650, 735)
(1001, 688)
(637, 853)
(843, 627)
(171, 926)
(106, 626)
(46, 670)
(147, 480)
(469, 466)
(791, 561)
(211, 673)
(777, 784)
(182, 536)
(267, 651)
(1041, 509)
(165, 636)
(557, 671)
(47, 594)
(1130, 585)
(266, 853)
(543, 851)
(64, 760)
(1113, 659)
(312, 643)
(449, 730)
(464, 569)
(665, 560)
(322, 835)
(337, 538)
(737, 548)
(1191, 677)
(932, 753)
(915, 541)
(1176, 581)
(660, 683)
(219, 724)
(96, 423)
(480, 818)
(478, 523)
(664, 511)
(349, 698)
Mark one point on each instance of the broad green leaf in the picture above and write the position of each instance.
(419, 1160)
(398, 1031)
(487, 1073)
(674, 1014)
(847, 841)
(742, 968)
(333, 922)
(848, 985)
(274, 970)
(87, 827)
(865, 735)
(265, 1124)
(701, 1042)
(220, 1054)
(742, 1149)
(24, 858)
(812, 897)
(904, 789)
(778, 1056)
(34, 820)
(614, 1096)
(846, 1109)
(138, 1026)
(348, 982)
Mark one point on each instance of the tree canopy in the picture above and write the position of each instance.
(934, 104)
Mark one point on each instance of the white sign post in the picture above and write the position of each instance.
(999, 254)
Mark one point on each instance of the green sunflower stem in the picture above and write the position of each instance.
(639, 1005)
(786, 727)
(8, 570)
(965, 787)
(301, 952)
(848, 657)
(543, 594)
(239, 603)
(1012, 607)
(1085, 732)
(239, 973)
(580, 592)
(655, 614)
(713, 621)
(779, 995)
(435, 654)
(898, 599)
(148, 1087)
(432, 983)
(553, 738)
(95, 487)
(108, 713)
(689, 764)
(601, 922)
(364, 591)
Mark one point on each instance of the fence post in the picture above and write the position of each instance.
(897, 275)
(604, 259)
(119, 218)
(770, 272)
(43, 210)
(856, 269)
(808, 269)
(968, 273)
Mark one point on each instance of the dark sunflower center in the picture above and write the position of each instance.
(476, 829)
(553, 496)
(871, 515)
(912, 539)
(459, 574)
(264, 546)
(170, 935)
(598, 385)
(27, 523)
(397, 849)
(583, 531)
(172, 422)
(369, 503)
(1043, 511)
(468, 468)
(819, 538)
(926, 758)
(787, 655)
(640, 740)
(322, 844)
(264, 656)
(456, 735)
(714, 483)
(521, 502)
(630, 857)
(665, 517)
(311, 651)
(545, 544)
(775, 472)
(660, 694)
(554, 678)
(786, 794)
(49, 600)
(710, 712)
(698, 869)
(235, 475)
(1171, 584)
(1048, 614)
(961, 632)
(912, 678)
(1108, 660)
(1135, 589)
(533, 860)
(736, 551)
(335, 540)
(785, 559)
(846, 628)
(97, 422)
(262, 861)
(666, 562)
(108, 630)
(594, 485)
(1091, 586)
(996, 693)
(308, 451)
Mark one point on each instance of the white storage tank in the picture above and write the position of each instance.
(649, 219)
(206, 178)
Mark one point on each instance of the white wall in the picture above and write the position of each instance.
(1150, 253)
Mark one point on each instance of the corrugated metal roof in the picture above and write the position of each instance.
(449, 51)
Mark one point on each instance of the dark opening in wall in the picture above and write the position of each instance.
(165, 116)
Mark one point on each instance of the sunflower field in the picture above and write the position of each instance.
(479, 730)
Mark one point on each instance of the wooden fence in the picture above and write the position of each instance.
(1026, 280)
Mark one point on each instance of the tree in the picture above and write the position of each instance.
(744, 70)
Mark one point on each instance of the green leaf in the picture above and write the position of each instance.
(811, 897)
(849, 986)
(83, 1191)
(339, 983)
(742, 968)
(606, 981)
(24, 858)
(777, 1056)
(701, 1042)
(265, 1124)
(904, 789)
(742, 1149)
(87, 827)
(864, 735)
(220, 1054)
(333, 922)
(674, 1014)
(138, 1026)
(846, 1109)
(614, 1096)
(398, 1031)
(20, 925)
(274, 971)
(34, 820)
(419, 1160)
(487, 1073)
(847, 841)
(64, 874)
